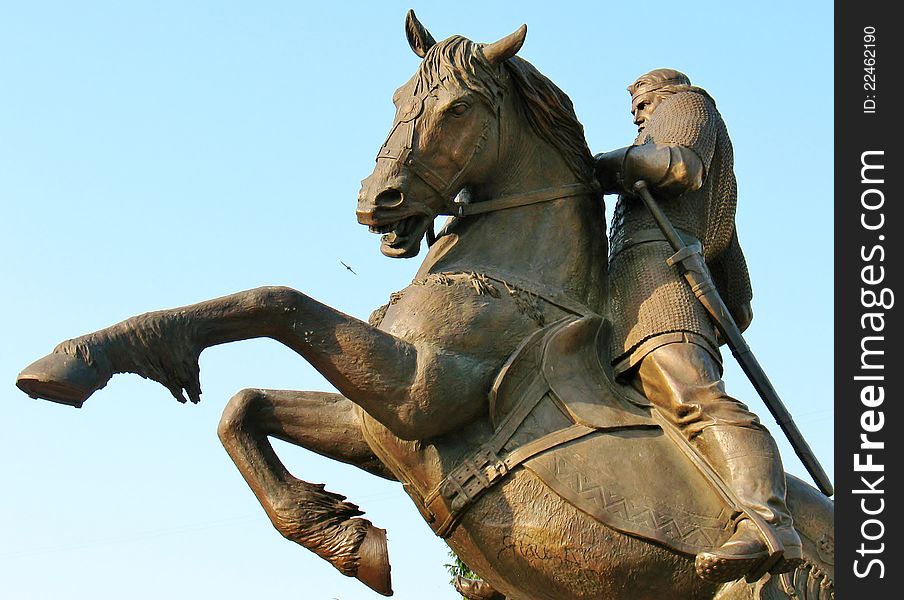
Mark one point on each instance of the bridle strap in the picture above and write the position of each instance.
(525, 199)
(431, 178)
(446, 188)
(409, 117)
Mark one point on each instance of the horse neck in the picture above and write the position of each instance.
(559, 243)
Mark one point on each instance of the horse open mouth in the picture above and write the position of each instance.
(402, 239)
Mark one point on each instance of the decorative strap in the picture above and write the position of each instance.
(547, 293)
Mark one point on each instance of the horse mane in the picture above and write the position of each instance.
(547, 109)
(551, 115)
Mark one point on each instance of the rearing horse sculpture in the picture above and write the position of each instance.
(478, 386)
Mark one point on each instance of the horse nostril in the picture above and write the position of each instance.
(389, 198)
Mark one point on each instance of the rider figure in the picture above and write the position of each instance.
(664, 343)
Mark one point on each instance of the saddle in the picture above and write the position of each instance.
(598, 445)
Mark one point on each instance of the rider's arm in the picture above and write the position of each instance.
(608, 167)
(671, 169)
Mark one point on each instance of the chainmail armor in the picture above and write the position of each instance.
(647, 296)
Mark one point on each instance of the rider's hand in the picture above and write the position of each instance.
(608, 167)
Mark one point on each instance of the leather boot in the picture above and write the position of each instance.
(748, 461)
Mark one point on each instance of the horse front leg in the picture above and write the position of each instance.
(306, 513)
(385, 375)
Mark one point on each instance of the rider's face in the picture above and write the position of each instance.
(642, 107)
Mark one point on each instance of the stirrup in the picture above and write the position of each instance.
(789, 558)
(792, 557)
(721, 566)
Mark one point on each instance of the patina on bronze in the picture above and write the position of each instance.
(484, 387)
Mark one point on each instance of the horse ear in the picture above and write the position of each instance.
(507, 47)
(419, 38)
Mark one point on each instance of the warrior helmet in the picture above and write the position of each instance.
(666, 80)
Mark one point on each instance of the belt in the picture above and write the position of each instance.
(652, 235)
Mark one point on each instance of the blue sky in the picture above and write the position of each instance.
(158, 154)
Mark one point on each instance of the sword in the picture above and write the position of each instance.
(693, 268)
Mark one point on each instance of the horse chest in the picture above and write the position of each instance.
(461, 313)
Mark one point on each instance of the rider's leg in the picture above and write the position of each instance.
(306, 513)
(683, 380)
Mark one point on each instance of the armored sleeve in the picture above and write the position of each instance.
(671, 169)
(687, 120)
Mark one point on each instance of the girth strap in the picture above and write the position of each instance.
(477, 474)
(481, 470)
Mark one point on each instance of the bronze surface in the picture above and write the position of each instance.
(416, 384)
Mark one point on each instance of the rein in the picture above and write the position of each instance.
(409, 113)
(522, 199)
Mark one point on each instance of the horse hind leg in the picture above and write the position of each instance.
(306, 513)
(476, 589)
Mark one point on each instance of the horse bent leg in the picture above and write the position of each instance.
(306, 513)
(165, 345)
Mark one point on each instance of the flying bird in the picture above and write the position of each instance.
(348, 267)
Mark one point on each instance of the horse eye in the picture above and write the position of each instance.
(459, 108)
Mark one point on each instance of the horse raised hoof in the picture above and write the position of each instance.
(373, 562)
(62, 378)
(476, 589)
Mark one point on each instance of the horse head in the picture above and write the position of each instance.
(446, 136)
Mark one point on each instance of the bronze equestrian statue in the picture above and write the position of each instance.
(484, 387)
